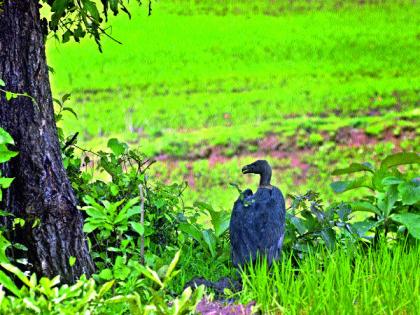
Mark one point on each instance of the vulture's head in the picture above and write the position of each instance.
(260, 167)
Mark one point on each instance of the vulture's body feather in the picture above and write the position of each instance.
(257, 225)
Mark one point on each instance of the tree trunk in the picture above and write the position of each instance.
(41, 192)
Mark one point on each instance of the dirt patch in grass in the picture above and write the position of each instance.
(292, 147)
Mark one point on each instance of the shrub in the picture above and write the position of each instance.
(393, 201)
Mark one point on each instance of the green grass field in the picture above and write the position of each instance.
(206, 85)
(240, 69)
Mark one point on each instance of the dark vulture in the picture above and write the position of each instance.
(258, 220)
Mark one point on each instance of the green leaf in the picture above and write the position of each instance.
(113, 4)
(89, 293)
(106, 274)
(17, 272)
(137, 227)
(4, 244)
(59, 6)
(9, 95)
(72, 261)
(5, 182)
(197, 296)
(2, 83)
(411, 221)
(310, 221)
(5, 213)
(9, 284)
(298, 224)
(392, 180)
(400, 159)
(93, 212)
(151, 274)
(20, 246)
(220, 221)
(114, 189)
(6, 154)
(65, 97)
(210, 240)
(192, 231)
(117, 147)
(5, 138)
(409, 192)
(121, 271)
(91, 201)
(92, 9)
(180, 305)
(129, 204)
(119, 299)
(378, 178)
(342, 186)
(133, 211)
(69, 109)
(66, 37)
(89, 228)
(363, 227)
(173, 264)
(387, 200)
(54, 281)
(33, 279)
(328, 235)
(364, 206)
(203, 206)
(353, 168)
(105, 288)
(31, 305)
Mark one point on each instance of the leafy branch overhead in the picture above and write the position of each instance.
(78, 18)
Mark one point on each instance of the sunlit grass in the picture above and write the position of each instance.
(348, 281)
(190, 71)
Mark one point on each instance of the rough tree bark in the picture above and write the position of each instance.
(41, 191)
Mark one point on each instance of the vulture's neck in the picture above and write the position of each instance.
(265, 179)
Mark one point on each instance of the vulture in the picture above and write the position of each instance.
(257, 223)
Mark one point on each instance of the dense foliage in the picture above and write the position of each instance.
(393, 204)
(394, 197)
(115, 235)
(135, 225)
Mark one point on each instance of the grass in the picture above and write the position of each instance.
(359, 281)
(188, 72)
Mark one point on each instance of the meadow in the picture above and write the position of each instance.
(205, 87)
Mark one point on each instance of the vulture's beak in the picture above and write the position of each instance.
(245, 169)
